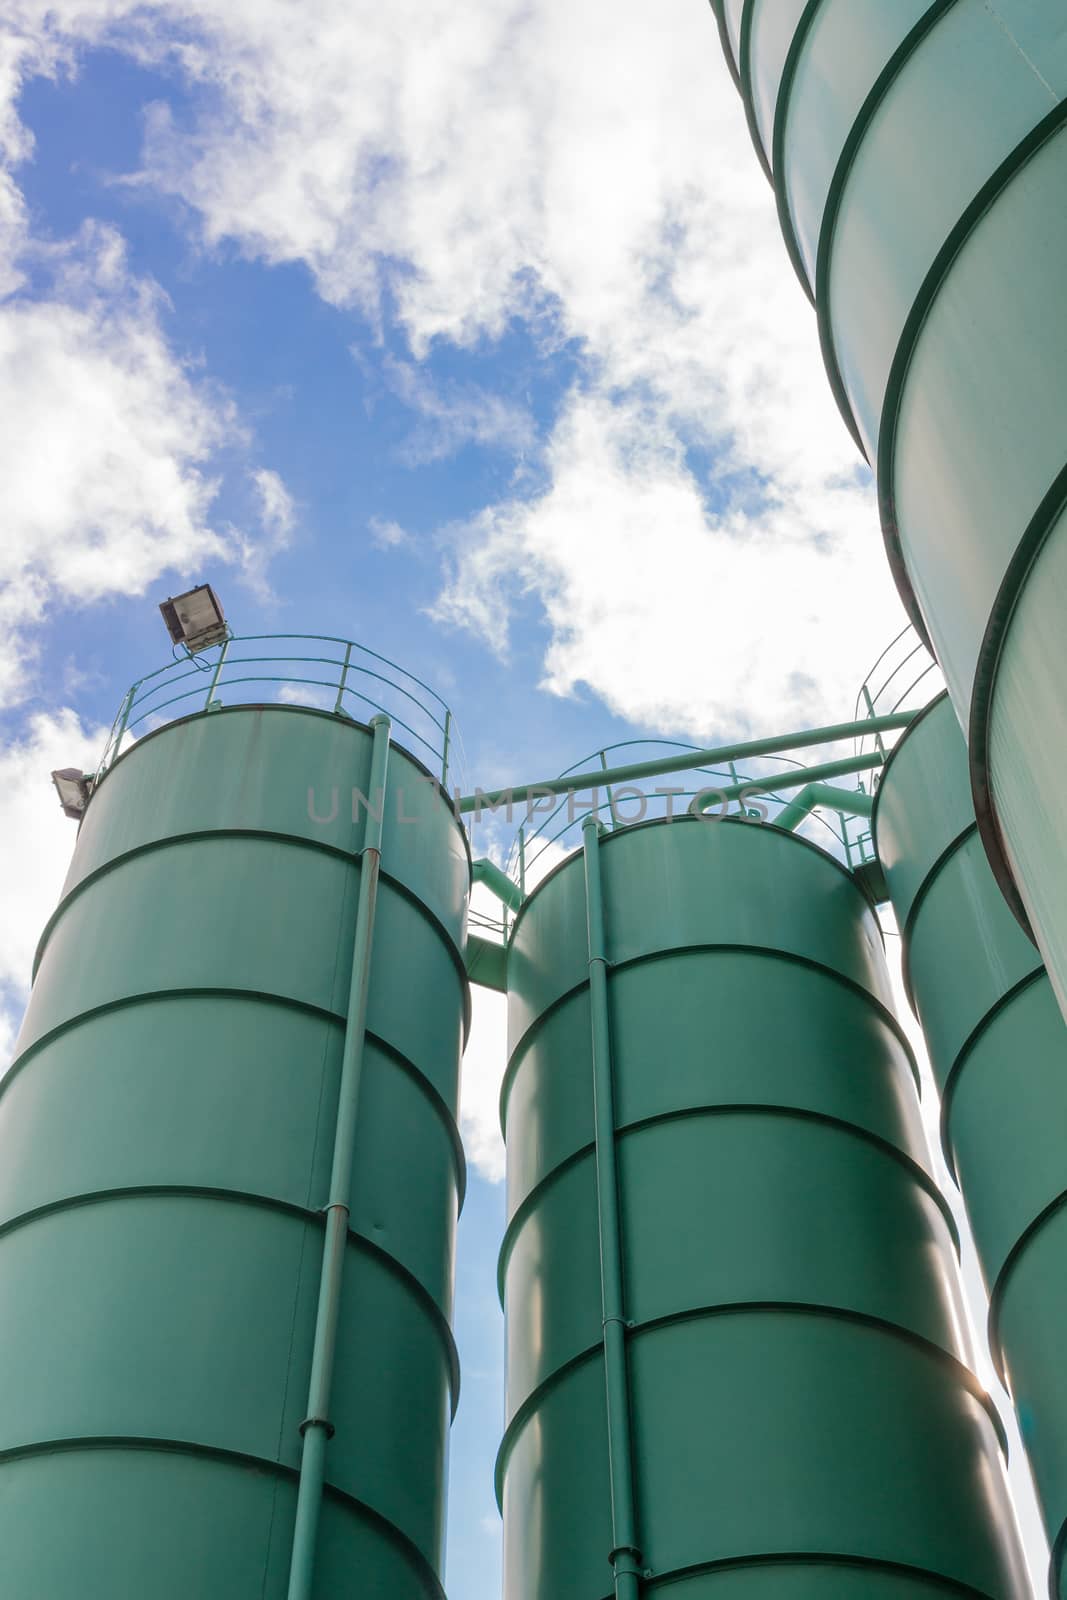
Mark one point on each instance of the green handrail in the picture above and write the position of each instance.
(192, 682)
(660, 767)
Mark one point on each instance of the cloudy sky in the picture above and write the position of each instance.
(465, 331)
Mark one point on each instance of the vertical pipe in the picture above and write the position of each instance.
(339, 702)
(625, 1555)
(522, 860)
(611, 797)
(316, 1428)
(216, 675)
(445, 751)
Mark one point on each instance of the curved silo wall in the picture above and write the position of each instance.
(167, 1130)
(919, 157)
(998, 1047)
(804, 1421)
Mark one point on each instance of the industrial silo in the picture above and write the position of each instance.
(998, 1047)
(736, 1361)
(919, 157)
(204, 1059)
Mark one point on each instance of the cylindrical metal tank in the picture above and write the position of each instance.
(919, 156)
(803, 1419)
(998, 1046)
(166, 1134)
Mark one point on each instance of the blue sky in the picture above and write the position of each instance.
(464, 332)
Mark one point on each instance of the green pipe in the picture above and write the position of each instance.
(810, 777)
(847, 802)
(625, 1555)
(316, 1427)
(497, 882)
(686, 760)
(816, 793)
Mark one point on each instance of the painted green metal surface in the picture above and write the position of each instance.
(167, 1130)
(487, 963)
(998, 1046)
(719, 12)
(1023, 756)
(919, 154)
(767, 33)
(732, 12)
(871, 273)
(844, 49)
(804, 1421)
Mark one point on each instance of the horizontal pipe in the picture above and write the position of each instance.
(487, 872)
(815, 793)
(852, 802)
(809, 777)
(661, 766)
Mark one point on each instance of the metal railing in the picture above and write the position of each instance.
(546, 836)
(317, 670)
(905, 677)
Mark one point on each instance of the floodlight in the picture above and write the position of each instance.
(72, 787)
(195, 619)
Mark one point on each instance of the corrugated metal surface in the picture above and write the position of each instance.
(804, 1420)
(919, 153)
(166, 1133)
(998, 1046)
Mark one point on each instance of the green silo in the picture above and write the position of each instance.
(167, 1133)
(919, 157)
(998, 1047)
(736, 1359)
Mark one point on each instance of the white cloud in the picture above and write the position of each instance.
(483, 1069)
(388, 535)
(12, 234)
(277, 509)
(111, 441)
(460, 414)
(274, 528)
(674, 615)
(104, 444)
(461, 169)
(298, 694)
(108, 448)
(36, 841)
(372, 143)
